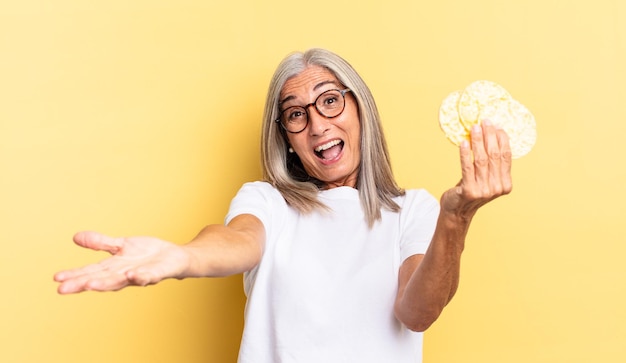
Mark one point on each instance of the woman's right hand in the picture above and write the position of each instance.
(135, 261)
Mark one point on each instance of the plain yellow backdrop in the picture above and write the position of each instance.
(143, 117)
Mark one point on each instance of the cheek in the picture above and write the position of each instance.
(298, 144)
(353, 122)
(355, 134)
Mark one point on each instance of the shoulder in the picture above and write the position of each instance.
(417, 198)
(259, 189)
(417, 204)
(258, 198)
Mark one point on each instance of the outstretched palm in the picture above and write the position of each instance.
(134, 261)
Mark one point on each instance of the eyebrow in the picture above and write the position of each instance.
(317, 86)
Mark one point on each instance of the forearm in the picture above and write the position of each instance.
(220, 250)
(429, 286)
(426, 286)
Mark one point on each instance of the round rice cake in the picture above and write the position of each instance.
(478, 95)
(449, 120)
(482, 100)
(519, 124)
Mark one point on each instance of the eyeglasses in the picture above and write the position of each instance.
(329, 104)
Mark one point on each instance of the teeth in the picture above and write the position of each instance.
(327, 145)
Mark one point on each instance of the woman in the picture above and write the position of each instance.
(340, 264)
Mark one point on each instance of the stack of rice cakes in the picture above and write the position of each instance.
(481, 100)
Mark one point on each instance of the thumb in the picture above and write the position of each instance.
(98, 242)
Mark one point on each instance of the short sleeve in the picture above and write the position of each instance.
(418, 219)
(256, 198)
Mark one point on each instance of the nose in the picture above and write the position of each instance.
(318, 124)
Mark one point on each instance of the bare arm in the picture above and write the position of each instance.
(426, 283)
(216, 251)
(226, 250)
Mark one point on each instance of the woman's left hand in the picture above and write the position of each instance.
(486, 171)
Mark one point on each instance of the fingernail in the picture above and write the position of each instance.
(487, 122)
(476, 128)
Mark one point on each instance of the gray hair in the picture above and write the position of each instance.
(376, 184)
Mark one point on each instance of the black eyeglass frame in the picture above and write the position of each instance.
(314, 103)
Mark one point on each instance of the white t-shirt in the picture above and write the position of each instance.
(325, 288)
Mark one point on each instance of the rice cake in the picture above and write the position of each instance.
(476, 97)
(481, 100)
(449, 119)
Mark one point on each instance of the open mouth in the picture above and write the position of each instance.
(329, 150)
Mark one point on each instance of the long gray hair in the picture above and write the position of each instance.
(284, 170)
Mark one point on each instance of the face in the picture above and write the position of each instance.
(329, 148)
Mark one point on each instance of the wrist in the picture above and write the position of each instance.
(456, 219)
(452, 229)
(190, 262)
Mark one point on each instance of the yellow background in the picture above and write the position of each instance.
(143, 117)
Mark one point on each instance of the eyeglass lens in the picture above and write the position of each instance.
(328, 104)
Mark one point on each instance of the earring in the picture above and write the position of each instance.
(291, 150)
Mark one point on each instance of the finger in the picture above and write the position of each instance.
(493, 185)
(481, 162)
(490, 140)
(99, 242)
(506, 161)
(100, 281)
(113, 264)
(112, 282)
(467, 166)
(116, 263)
(64, 275)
